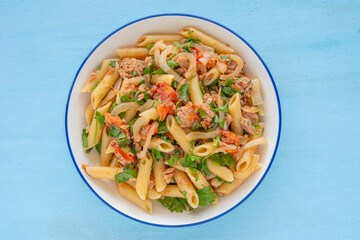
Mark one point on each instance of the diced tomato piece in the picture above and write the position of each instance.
(165, 108)
(144, 131)
(197, 54)
(229, 137)
(119, 151)
(168, 134)
(117, 122)
(165, 92)
(84, 166)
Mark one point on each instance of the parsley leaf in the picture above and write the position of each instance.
(122, 114)
(172, 64)
(150, 45)
(84, 136)
(222, 159)
(177, 119)
(112, 63)
(206, 195)
(221, 180)
(175, 204)
(189, 160)
(216, 141)
(124, 142)
(98, 147)
(191, 39)
(134, 73)
(202, 113)
(172, 161)
(115, 132)
(217, 120)
(99, 118)
(225, 57)
(159, 155)
(202, 167)
(159, 71)
(171, 56)
(129, 172)
(113, 106)
(184, 89)
(162, 127)
(95, 85)
(222, 109)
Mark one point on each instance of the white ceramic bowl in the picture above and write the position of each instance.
(126, 36)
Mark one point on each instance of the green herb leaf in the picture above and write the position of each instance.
(124, 142)
(98, 147)
(150, 45)
(184, 89)
(115, 132)
(129, 172)
(84, 136)
(190, 32)
(191, 39)
(122, 114)
(113, 106)
(162, 127)
(175, 204)
(202, 167)
(112, 63)
(95, 85)
(159, 155)
(134, 73)
(159, 71)
(221, 180)
(206, 195)
(132, 150)
(89, 150)
(172, 161)
(189, 160)
(202, 113)
(178, 44)
(216, 141)
(222, 159)
(222, 109)
(217, 120)
(99, 118)
(225, 57)
(177, 119)
(172, 64)
(171, 56)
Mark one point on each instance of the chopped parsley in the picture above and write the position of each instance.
(189, 160)
(115, 132)
(99, 118)
(184, 89)
(98, 147)
(175, 204)
(222, 159)
(191, 39)
(129, 172)
(221, 180)
(162, 127)
(112, 63)
(134, 73)
(216, 141)
(202, 113)
(159, 155)
(84, 136)
(124, 142)
(171, 56)
(217, 120)
(172, 161)
(186, 46)
(206, 195)
(159, 71)
(95, 85)
(202, 167)
(172, 64)
(113, 106)
(224, 108)
(177, 119)
(150, 45)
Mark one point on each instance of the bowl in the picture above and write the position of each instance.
(127, 36)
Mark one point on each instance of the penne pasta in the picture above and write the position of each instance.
(158, 170)
(132, 52)
(101, 172)
(178, 133)
(149, 38)
(139, 123)
(202, 135)
(161, 145)
(235, 112)
(130, 114)
(89, 114)
(204, 150)
(172, 191)
(151, 113)
(220, 171)
(211, 76)
(256, 96)
(165, 78)
(105, 158)
(143, 178)
(96, 127)
(186, 188)
(195, 92)
(104, 86)
(206, 39)
(130, 193)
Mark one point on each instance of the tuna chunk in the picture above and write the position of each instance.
(168, 174)
(245, 123)
(129, 65)
(188, 115)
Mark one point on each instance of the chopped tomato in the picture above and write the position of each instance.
(165, 108)
(165, 92)
(197, 54)
(121, 152)
(229, 137)
(144, 131)
(84, 166)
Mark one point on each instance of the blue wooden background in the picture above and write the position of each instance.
(312, 49)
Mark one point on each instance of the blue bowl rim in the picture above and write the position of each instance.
(184, 15)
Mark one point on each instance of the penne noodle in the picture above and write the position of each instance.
(138, 124)
(158, 170)
(220, 171)
(114, 162)
(148, 104)
(132, 52)
(187, 188)
(89, 114)
(220, 104)
(177, 166)
(96, 128)
(150, 38)
(130, 193)
(211, 76)
(256, 97)
(255, 142)
(90, 85)
(143, 178)
(130, 114)
(206, 39)
(235, 112)
(105, 158)
(109, 97)
(215, 183)
(195, 92)
(104, 86)
(204, 150)
(151, 192)
(172, 191)
(165, 78)
(101, 172)
(178, 133)
(202, 135)
(161, 145)
(238, 69)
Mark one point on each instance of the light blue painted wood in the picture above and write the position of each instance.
(312, 49)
